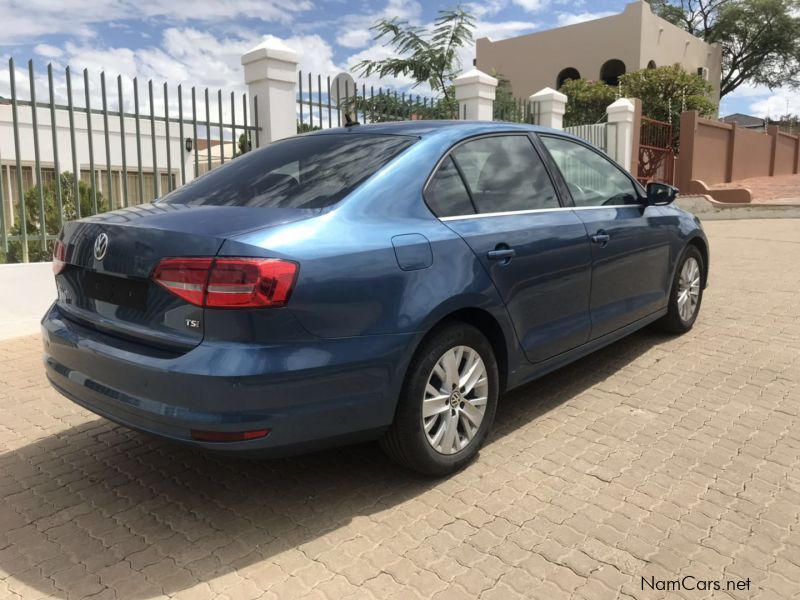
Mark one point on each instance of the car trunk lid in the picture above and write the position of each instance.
(110, 259)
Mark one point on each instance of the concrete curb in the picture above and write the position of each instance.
(709, 209)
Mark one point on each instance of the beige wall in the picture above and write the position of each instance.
(751, 155)
(532, 62)
(715, 152)
(786, 148)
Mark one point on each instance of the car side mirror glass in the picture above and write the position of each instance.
(661, 193)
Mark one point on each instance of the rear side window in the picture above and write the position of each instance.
(505, 174)
(304, 172)
(446, 195)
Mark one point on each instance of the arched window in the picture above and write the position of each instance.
(651, 64)
(565, 75)
(611, 70)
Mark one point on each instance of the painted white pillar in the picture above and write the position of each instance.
(475, 94)
(270, 72)
(550, 106)
(621, 115)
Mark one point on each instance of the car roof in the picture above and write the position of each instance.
(430, 128)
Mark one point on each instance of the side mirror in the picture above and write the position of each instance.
(661, 193)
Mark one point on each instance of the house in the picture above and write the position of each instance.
(746, 121)
(600, 49)
(124, 168)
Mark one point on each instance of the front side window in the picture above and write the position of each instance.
(592, 179)
(504, 174)
(303, 172)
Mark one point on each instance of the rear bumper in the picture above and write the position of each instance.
(310, 394)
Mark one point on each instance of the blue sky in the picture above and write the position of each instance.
(200, 42)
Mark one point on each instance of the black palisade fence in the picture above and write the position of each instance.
(324, 103)
(77, 154)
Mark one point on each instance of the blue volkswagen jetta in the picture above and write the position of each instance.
(373, 282)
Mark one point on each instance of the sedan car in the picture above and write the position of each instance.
(386, 282)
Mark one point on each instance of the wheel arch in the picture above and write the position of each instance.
(489, 326)
(702, 246)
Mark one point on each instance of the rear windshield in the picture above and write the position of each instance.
(303, 172)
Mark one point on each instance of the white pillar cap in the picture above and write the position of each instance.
(549, 94)
(271, 47)
(621, 105)
(475, 76)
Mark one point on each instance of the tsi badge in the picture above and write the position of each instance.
(192, 323)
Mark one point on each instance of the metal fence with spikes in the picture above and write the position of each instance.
(69, 156)
(324, 103)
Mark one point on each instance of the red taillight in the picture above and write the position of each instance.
(228, 282)
(59, 254)
(184, 277)
(228, 436)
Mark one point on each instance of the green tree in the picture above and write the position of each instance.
(305, 127)
(667, 91)
(586, 101)
(52, 222)
(245, 144)
(788, 123)
(427, 55)
(760, 39)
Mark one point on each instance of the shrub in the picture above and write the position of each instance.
(52, 222)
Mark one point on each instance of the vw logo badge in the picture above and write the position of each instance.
(101, 246)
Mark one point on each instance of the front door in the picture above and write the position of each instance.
(630, 241)
(536, 252)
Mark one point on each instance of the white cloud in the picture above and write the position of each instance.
(187, 56)
(564, 19)
(27, 20)
(779, 102)
(47, 50)
(486, 9)
(531, 5)
(355, 29)
(355, 38)
(747, 90)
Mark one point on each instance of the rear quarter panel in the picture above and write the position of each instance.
(350, 282)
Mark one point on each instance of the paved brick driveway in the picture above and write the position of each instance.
(657, 457)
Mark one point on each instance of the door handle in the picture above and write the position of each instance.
(601, 238)
(504, 254)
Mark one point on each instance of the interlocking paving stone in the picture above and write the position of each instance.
(656, 457)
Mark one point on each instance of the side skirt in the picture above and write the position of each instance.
(528, 373)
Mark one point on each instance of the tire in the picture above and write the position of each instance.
(678, 319)
(407, 441)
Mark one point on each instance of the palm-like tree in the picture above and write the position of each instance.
(426, 55)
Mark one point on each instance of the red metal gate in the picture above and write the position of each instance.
(656, 156)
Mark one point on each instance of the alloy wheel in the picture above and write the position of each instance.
(454, 402)
(688, 289)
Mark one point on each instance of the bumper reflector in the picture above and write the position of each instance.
(228, 436)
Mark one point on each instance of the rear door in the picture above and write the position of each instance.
(496, 193)
(630, 240)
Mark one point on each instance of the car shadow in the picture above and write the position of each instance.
(99, 503)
